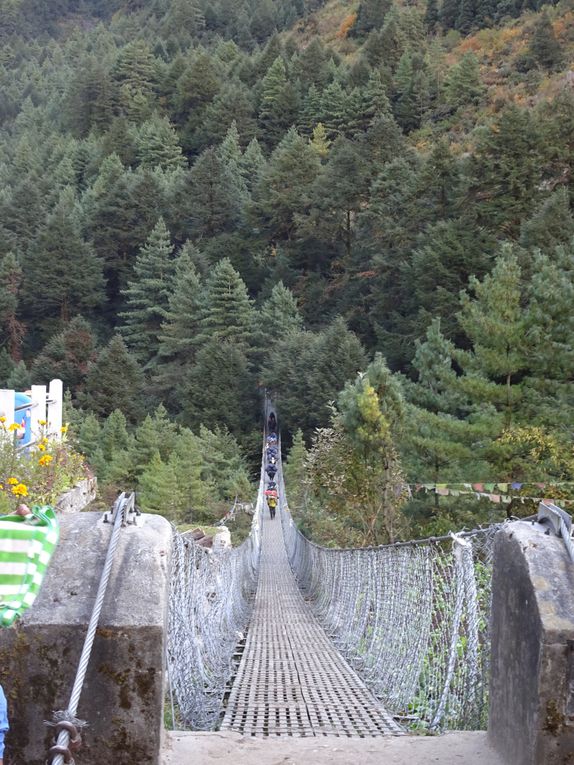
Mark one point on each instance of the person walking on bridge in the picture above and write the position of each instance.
(272, 505)
(272, 423)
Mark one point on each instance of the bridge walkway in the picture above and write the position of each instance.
(291, 680)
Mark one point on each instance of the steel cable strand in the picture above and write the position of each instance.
(63, 740)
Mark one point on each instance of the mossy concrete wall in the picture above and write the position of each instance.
(122, 698)
(531, 719)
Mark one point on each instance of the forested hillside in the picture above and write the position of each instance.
(198, 199)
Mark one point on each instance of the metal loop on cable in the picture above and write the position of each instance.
(75, 737)
(62, 751)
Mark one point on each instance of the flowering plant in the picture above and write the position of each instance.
(38, 474)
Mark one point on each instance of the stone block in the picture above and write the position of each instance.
(122, 698)
(79, 497)
(531, 719)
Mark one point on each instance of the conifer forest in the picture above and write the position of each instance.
(363, 206)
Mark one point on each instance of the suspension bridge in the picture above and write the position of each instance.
(368, 642)
(281, 640)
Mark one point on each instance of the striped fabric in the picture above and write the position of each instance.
(26, 546)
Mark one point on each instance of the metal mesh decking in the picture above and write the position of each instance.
(291, 680)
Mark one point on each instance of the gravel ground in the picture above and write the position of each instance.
(451, 749)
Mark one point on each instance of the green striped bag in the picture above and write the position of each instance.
(26, 546)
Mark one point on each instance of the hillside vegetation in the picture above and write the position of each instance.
(198, 199)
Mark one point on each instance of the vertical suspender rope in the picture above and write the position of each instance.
(65, 721)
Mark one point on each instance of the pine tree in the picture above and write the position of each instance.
(158, 490)
(67, 355)
(295, 472)
(319, 141)
(337, 358)
(220, 389)
(279, 313)
(278, 108)
(155, 434)
(6, 367)
(339, 193)
(12, 330)
(431, 15)
(19, 378)
(148, 294)
(508, 168)
(228, 314)
(334, 109)
(89, 435)
(114, 381)
(463, 86)
(158, 144)
(285, 187)
(252, 165)
(135, 73)
(494, 322)
(551, 224)
(371, 15)
(544, 46)
(186, 305)
(73, 281)
(215, 195)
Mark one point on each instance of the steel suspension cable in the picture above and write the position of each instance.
(65, 721)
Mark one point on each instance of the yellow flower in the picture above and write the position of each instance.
(21, 490)
(2, 419)
(1, 487)
(64, 429)
(41, 422)
(45, 459)
(13, 481)
(14, 426)
(42, 447)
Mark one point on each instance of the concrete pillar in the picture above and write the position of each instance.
(531, 719)
(122, 698)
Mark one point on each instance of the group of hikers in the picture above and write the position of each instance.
(271, 455)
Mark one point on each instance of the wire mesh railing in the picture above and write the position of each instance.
(411, 618)
(209, 609)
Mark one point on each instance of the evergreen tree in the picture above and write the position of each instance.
(285, 187)
(228, 313)
(73, 283)
(339, 193)
(148, 294)
(67, 355)
(319, 141)
(114, 381)
(431, 15)
(158, 490)
(279, 313)
(278, 109)
(185, 309)
(136, 74)
(19, 378)
(215, 194)
(544, 46)
(156, 434)
(295, 472)
(371, 15)
(158, 144)
(551, 224)
(252, 165)
(507, 168)
(463, 86)
(494, 322)
(12, 330)
(220, 389)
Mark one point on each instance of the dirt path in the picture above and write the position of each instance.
(228, 747)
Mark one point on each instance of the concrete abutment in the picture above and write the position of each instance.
(122, 698)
